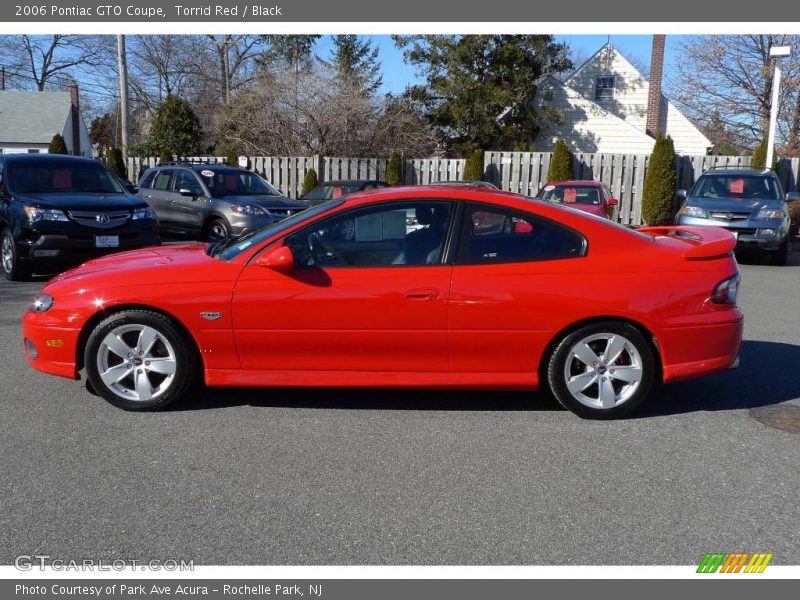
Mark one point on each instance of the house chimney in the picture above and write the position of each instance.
(653, 123)
(74, 97)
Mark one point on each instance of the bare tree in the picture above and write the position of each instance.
(235, 56)
(41, 59)
(729, 78)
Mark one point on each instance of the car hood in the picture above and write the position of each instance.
(160, 265)
(734, 204)
(82, 201)
(266, 201)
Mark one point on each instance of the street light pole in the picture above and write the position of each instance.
(776, 52)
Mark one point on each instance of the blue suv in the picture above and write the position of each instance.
(750, 203)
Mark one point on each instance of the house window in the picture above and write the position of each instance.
(604, 89)
(33, 151)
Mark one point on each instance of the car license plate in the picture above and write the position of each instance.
(106, 241)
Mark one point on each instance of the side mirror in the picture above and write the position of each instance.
(279, 259)
(612, 202)
(682, 194)
(186, 192)
(790, 197)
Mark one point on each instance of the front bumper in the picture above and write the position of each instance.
(50, 348)
(76, 248)
(245, 224)
(767, 234)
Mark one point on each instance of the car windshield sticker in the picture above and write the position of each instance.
(737, 186)
(231, 183)
(336, 193)
(570, 196)
(207, 173)
(549, 188)
(62, 179)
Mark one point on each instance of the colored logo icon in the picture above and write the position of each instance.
(735, 562)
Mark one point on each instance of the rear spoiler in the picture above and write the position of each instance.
(706, 241)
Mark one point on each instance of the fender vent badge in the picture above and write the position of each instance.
(211, 316)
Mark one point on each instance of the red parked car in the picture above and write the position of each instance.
(590, 196)
(415, 287)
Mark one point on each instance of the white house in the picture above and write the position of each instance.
(603, 107)
(29, 120)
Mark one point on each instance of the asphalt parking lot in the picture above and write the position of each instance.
(387, 477)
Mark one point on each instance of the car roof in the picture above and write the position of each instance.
(45, 157)
(741, 171)
(350, 182)
(576, 182)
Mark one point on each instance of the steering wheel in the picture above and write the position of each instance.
(324, 254)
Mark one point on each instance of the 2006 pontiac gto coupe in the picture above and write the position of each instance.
(416, 287)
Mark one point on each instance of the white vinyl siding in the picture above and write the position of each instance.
(586, 126)
(629, 101)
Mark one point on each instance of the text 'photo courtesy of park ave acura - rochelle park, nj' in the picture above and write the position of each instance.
(338, 300)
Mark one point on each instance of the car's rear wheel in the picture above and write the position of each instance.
(215, 229)
(13, 268)
(140, 360)
(780, 257)
(604, 370)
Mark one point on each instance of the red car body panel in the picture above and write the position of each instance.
(470, 326)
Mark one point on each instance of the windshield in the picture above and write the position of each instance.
(577, 194)
(736, 186)
(231, 249)
(232, 182)
(329, 192)
(61, 176)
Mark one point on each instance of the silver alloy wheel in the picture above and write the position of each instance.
(603, 370)
(7, 254)
(136, 362)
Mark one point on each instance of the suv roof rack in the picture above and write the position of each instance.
(176, 163)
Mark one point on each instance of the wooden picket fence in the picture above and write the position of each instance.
(520, 172)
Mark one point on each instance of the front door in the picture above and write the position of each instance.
(369, 292)
(186, 210)
(158, 196)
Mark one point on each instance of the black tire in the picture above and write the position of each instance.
(557, 364)
(13, 268)
(186, 360)
(214, 228)
(780, 257)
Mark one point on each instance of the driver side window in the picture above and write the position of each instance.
(410, 233)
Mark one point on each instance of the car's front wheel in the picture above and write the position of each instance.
(602, 371)
(13, 268)
(140, 360)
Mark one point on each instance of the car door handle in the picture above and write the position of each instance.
(422, 295)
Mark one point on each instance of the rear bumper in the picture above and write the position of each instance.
(50, 349)
(751, 234)
(693, 351)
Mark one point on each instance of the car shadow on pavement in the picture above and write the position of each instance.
(766, 377)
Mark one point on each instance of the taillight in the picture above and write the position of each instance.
(726, 291)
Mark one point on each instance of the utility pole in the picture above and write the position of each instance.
(123, 93)
(3, 79)
(776, 52)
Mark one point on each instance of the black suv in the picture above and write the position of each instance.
(208, 201)
(59, 211)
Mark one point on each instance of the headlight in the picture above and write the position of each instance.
(694, 211)
(143, 213)
(44, 214)
(41, 303)
(248, 209)
(766, 213)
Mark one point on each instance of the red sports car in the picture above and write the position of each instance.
(592, 196)
(416, 287)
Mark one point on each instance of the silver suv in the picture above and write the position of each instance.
(750, 203)
(209, 202)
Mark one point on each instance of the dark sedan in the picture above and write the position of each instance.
(330, 190)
